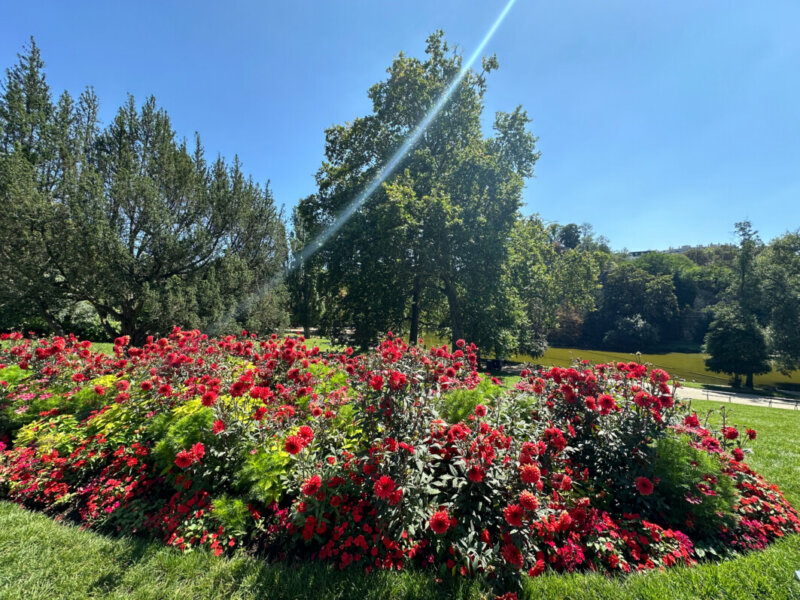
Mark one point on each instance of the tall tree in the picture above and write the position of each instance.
(779, 271)
(438, 230)
(735, 339)
(736, 344)
(127, 218)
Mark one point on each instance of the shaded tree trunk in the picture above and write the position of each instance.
(413, 335)
(748, 382)
(456, 326)
(54, 325)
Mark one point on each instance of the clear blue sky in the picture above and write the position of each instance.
(660, 123)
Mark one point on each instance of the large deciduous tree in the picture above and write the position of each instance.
(430, 244)
(779, 272)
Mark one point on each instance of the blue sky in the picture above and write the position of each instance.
(660, 123)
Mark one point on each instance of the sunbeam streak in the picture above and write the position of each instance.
(386, 172)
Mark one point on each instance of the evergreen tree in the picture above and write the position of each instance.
(127, 219)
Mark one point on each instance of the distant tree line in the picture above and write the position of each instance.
(125, 229)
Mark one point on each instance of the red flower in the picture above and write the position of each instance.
(738, 454)
(397, 380)
(306, 433)
(198, 451)
(480, 410)
(512, 555)
(691, 420)
(730, 433)
(209, 398)
(293, 444)
(513, 514)
(184, 459)
(528, 500)
(644, 485)
(607, 403)
(260, 412)
(475, 474)
(99, 390)
(751, 433)
(218, 427)
(440, 522)
(530, 473)
(384, 487)
(537, 569)
(376, 382)
(311, 485)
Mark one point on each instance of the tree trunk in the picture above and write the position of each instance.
(413, 335)
(306, 331)
(748, 383)
(54, 325)
(456, 327)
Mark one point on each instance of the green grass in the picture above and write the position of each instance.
(41, 559)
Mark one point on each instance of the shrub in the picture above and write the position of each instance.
(400, 457)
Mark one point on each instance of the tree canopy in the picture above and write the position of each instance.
(126, 218)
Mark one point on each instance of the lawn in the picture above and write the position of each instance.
(42, 559)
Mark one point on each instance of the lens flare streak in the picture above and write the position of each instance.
(386, 172)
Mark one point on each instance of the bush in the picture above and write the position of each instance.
(399, 457)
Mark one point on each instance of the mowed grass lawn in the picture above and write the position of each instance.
(42, 559)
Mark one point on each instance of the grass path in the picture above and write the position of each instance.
(43, 560)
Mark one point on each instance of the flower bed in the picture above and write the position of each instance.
(400, 457)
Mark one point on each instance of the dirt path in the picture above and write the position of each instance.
(731, 398)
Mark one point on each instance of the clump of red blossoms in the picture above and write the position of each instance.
(268, 443)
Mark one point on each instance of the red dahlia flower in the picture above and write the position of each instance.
(475, 474)
(440, 521)
(311, 485)
(218, 427)
(294, 444)
(644, 485)
(607, 403)
(730, 433)
(306, 433)
(480, 410)
(691, 420)
(198, 451)
(376, 382)
(184, 459)
(530, 473)
(384, 487)
(751, 433)
(513, 514)
(209, 398)
(528, 500)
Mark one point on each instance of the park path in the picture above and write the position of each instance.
(685, 393)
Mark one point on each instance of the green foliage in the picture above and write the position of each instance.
(61, 436)
(179, 428)
(126, 219)
(456, 405)
(779, 272)
(684, 472)
(232, 514)
(451, 203)
(261, 475)
(737, 344)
